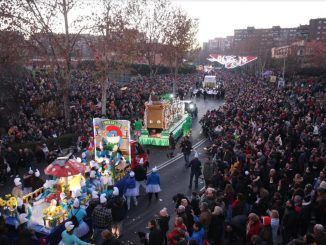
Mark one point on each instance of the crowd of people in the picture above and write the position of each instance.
(40, 115)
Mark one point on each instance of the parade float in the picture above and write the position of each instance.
(112, 146)
(163, 117)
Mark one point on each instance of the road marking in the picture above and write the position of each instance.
(180, 155)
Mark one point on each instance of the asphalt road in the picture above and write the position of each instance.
(174, 179)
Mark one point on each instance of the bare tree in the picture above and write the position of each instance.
(40, 21)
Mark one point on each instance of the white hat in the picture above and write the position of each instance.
(69, 226)
(246, 172)
(79, 159)
(115, 191)
(37, 173)
(22, 218)
(17, 182)
(141, 161)
(87, 169)
(30, 170)
(132, 174)
(83, 155)
(196, 154)
(154, 170)
(92, 174)
(77, 193)
(19, 202)
(94, 194)
(62, 195)
(322, 185)
(103, 198)
(92, 163)
(76, 203)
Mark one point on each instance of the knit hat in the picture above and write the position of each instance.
(266, 220)
(37, 173)
(76, 193)
(246, 172)
(19, 202)
(17, 181)
(103, 198)
(69, 226)
(78, 160)
(94, 194)
(23, 218)
(154, 170)
(217, 210)
(76, 203)
(30, 170)
(132, 174)
(115, 191)
(92, 174)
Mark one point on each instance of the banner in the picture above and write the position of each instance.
(231, 61)
(111, 139)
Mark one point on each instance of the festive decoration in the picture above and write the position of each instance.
(63, 167)
(231, 61)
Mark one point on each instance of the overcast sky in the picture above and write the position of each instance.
(218, 18)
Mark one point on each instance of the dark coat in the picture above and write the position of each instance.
(216, 229)
(140, 173)
(155, 237)
(118, 208)
(195, 165)
(163, 222)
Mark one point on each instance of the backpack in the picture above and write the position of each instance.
(74, 220)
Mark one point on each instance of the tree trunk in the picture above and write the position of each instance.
(105, 86)
(66, 85)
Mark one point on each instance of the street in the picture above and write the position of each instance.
(174, 179)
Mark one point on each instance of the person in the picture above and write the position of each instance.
(153, 184)
(172, 145)
(4, 239)
(254, 226)
(197, 235)
(17, 191)
(186, 147)
(179, 230)
(27, 181)
(155, 235)
(118, 206)
(36, 181)
(101, 219)
(68, 238)
(195, 166)
(208, 171)
(79, 213)
(163, 223)
(25, 235)
(131, 190)
(319, 234)
(266, 234)
(12, 159)
(92, 203)
(216, 227)
(289, 222)
(140, 175)
(275, 222)
(109, 239)
(23, 208)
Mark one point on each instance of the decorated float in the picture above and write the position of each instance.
(70, 180)
(163, 117)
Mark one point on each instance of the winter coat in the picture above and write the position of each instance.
(140, 173)
(216, 229)
(163, 222)
(153, 179)
(118, 208)
(155, 237)
(195, 165)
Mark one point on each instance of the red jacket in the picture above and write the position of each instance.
(254, 229)
(177, 231)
